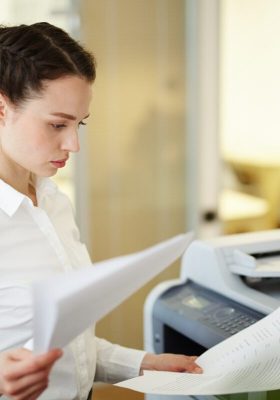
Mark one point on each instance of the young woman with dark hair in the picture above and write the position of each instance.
(46, 82)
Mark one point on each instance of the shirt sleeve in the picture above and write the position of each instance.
(15, 315)
(116, 363)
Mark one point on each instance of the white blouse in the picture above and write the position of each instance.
(35, 243)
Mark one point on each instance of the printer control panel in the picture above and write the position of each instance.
(224, 317)
(201, 314)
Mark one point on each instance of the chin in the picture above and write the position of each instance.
(45, 174)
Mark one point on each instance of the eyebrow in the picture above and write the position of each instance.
(67, 116)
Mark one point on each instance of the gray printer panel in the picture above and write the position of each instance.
(189, 319)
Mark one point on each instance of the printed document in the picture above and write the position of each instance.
(246, 362)
(68, 303)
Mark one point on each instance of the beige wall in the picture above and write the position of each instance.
(135, 138)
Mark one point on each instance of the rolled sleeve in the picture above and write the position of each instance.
(116, 363)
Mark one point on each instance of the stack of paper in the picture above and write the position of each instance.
(246, 362)
(67, 304)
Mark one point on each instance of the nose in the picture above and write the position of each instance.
(71, 141)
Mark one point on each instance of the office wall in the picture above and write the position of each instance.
(135, 138)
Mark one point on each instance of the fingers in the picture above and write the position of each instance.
(193, 368)
(191, 357)
(20, 385)
(33, 392)
(47, 360)
(29, 363)
(24, 376)
(196, 370)
(19, 354)
(187, 363)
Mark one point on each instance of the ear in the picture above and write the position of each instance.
(3, 107)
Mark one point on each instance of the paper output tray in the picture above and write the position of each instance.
(269, 268)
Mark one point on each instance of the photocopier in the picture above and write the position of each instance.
(225, 285)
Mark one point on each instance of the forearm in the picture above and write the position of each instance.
(170, 362)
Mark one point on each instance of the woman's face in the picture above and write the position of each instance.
(39, 136)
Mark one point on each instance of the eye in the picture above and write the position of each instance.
(82, 123)
(58, 126)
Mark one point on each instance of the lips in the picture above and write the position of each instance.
(59, 163)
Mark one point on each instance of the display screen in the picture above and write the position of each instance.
(197, 302)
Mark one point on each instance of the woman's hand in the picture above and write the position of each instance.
(23, 375)
(170, 362)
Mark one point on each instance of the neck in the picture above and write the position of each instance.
(21, 180)
(17, 177)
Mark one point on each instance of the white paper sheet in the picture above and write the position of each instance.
(246, 362)
(68, 303)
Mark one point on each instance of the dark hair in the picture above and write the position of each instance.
(33, 54)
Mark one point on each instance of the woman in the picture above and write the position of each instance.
(45, 90)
